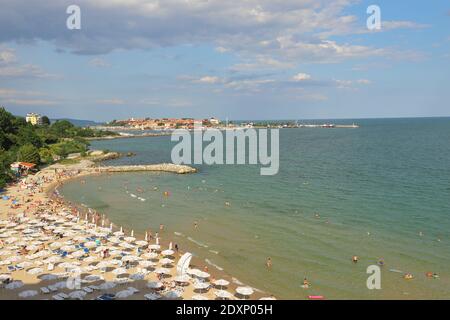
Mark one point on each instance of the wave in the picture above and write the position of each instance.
(197, 242)
(214, 265)
(178, 234)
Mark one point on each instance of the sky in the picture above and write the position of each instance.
(254, 59)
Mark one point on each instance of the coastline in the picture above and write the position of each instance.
(48, 193)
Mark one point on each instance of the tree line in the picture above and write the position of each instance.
(39, 144)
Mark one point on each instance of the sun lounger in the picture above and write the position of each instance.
(45, 290)
(87, 289)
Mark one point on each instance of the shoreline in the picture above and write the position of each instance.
(67, 173)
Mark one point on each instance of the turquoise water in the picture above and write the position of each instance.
(375, 189)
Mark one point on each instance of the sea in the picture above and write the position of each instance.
(380, 192)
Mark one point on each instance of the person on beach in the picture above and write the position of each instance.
(269, 263)
(195, 224)
(355, 259)
(176, 247)
(306, 283)
(161, 227)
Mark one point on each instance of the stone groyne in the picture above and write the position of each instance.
(162, 167)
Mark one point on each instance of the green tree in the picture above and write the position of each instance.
(27, 135)
(45, 121)
(62, 128)
(28, 153)
(46, 155)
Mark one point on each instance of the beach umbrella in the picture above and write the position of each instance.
(154, 247)
(132, 233)
(119, 271)
(141, 243)
(124, 294)
(222, 294)
(35, 271)
(137, 276)
(90, 244)
(172, 295)
(152, 296)
(130, 258)
(165, 261)
(267, 298)
(126, 245)
(48, 277)
(199, 297)
(146, 236)
(155, 285)
(107, 285)
(129, 239)
(201, 286)
(114, 240)
(14, 285)
(182, 279)
(221, 283)
(244, 291)
(111, 226)
(167, 252)
(162, 271)
(93, 278)
(28, 293)
(79, 294)
(203, 275)
(147, 264)
(150, 255)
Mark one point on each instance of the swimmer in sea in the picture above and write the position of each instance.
(269, 263)
(355, 259)
(381, 262)
(306, 284)
(195, 225)
(408, 276)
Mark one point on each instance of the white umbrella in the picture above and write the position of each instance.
(28, 293)
(267, 298)
(165, 261)
(199, 297)
(130, 258)
(154, 246)
(182, 279)
(162, 271)
(79, 294)
(90, 244)
(35, 271)
(221, 283)
(147, 264)
(124, 294)
(245, 291)
(107, 285)
(152, 296)
(223, 294)
(14, 285)
(201, 286)
(203, 274)
(172, 295)
(129, 239)
(141, 243)
(150, 255)
(119, 271)
(167, 252)
(155, 285)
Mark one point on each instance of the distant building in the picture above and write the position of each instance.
(214, 121)
(34, 119)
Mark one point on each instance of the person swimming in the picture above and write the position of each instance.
(269, 263)
(355, 259)
(306, 283)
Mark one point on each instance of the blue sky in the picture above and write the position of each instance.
(258, 59)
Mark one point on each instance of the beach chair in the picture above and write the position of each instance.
(45, 290)
(87, 290)
(57, 297)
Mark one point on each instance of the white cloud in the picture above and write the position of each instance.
(99, 63)
(209, 79)
(112, 101)
(301, 77)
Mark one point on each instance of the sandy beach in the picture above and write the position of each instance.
(49, 249)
